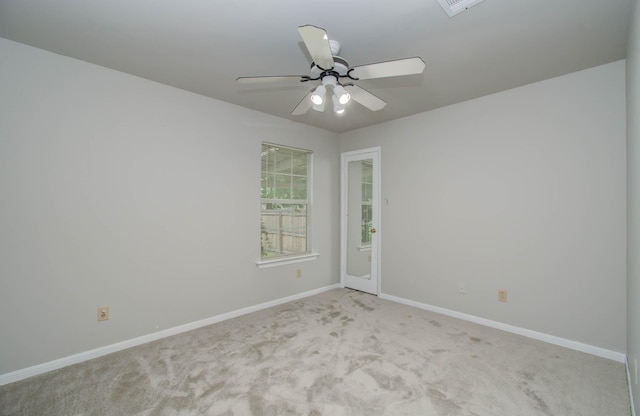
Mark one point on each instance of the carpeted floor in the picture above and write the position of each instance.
(338, 353)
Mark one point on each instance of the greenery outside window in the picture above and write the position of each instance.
(284, 195)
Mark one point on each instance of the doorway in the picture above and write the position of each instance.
(360, 220)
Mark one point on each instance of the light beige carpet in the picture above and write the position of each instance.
(338, 353)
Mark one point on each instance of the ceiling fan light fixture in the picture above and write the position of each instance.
(338, 107)
(342, 94)
(317, 98)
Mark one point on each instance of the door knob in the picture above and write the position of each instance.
(373, 231)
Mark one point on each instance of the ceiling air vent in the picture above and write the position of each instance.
(453, 7)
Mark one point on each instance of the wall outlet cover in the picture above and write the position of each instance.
(103, 313)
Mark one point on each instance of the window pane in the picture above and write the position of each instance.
(367, 196)
(283, 161)
(283, 187)
(366, 192)
(268, 158)
(264, 183)
(283, 229)
(299, 188)
(300, 162)
(366, 223)
(367, 172)
(267, 186)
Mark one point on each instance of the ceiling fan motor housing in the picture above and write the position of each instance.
(341, 67)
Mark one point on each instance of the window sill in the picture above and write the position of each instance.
(263, 264)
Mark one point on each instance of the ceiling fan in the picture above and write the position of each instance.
(335, 74)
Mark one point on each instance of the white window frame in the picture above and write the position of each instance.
(309, 255)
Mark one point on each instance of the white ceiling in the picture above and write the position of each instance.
(203, 45)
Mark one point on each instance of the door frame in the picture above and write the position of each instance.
(373, 153)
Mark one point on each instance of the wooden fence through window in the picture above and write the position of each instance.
(284, 232)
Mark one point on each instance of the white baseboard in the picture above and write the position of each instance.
(633, 409)
(551, 339)
(99, 352)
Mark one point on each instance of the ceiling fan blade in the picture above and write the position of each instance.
(407, 66)
(365, 98)
(290, 79)
(304, 105)
(317, 43)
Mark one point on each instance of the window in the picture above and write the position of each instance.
(285, 195)
(367, 196)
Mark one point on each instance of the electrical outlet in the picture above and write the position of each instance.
(299, 273)
(462, 288)
(502, 295)
(103, 313)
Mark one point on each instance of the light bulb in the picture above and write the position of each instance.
(343, 95)
(338, 108)
(318, 95)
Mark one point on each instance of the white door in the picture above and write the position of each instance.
(360, 239)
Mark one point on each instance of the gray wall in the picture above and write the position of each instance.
(523, 190)
(633, 201)
(123, 192)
